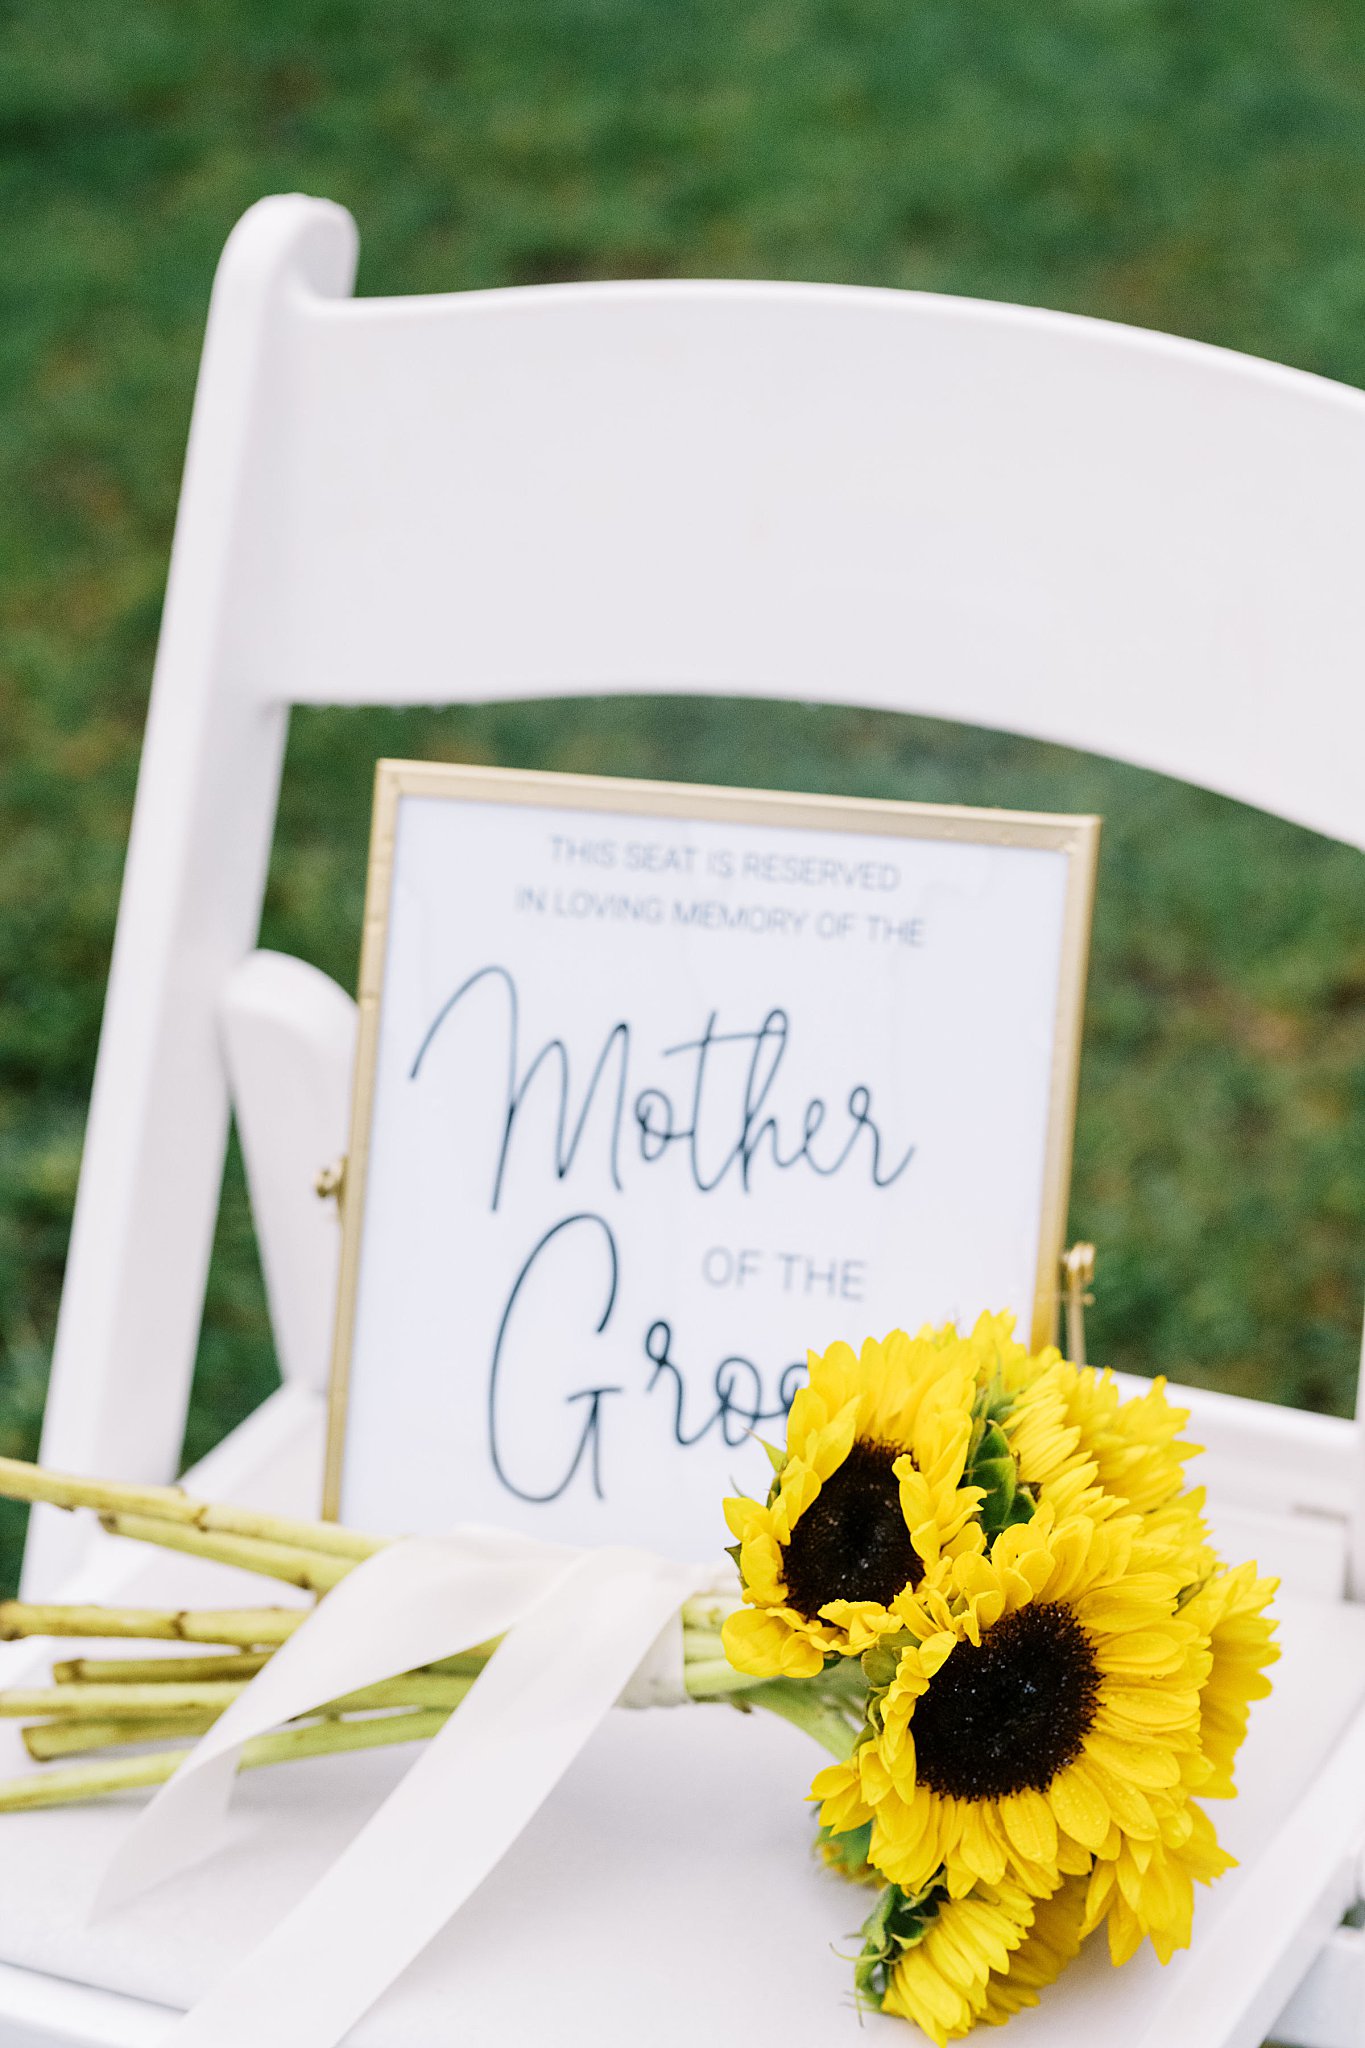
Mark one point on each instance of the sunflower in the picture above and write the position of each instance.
(869, 1498)
(947, 1963)
(1181, 1527)
(1035, 1707)
(1146, 1888)
(1078, 1442)
(1053, 1940)
(1230, 1609)
(1002, 1362)
(1081, 1446)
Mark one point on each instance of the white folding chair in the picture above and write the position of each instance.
(1113, 539)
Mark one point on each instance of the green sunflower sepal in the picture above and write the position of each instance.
(848, 1853)
(992, 1466)
(897, 1922)
(881, 1663)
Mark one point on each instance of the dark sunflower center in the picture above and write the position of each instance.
(852, 1542)
(1007, 1716)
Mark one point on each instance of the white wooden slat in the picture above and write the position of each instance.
(1328, 2009)
(1122, 541)
(1242, 1973)
(38, 2011)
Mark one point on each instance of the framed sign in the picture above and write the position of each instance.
(659, 1087)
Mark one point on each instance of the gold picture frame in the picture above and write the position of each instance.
(1077, 836)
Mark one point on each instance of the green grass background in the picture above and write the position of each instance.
(1194, 165)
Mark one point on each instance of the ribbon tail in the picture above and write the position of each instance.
(452, 1817)
(411, 1604)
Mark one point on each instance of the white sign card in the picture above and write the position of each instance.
(659, 1087)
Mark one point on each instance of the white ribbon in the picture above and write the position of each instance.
(576, 1627)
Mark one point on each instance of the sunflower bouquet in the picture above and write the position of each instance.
(978, 1579)
(1057, 1668)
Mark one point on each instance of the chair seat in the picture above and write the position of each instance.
(667, 1890)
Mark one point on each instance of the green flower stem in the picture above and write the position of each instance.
(827, 1718)
(702, 1646)
(158, 1670)
(137, 1702)
(712, 1678)
(119, 1702)
(311, 1569)
(249, 1627)
(468, 1664)
(22, 1481)
(416, 1689)
(48, 1739)
(708, 1611)
(322, 1738)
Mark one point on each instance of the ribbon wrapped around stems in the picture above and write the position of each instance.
(581, 1630)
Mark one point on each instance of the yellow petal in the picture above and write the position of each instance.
(1079, 1807)
(1030, 1826)
(981, 1848)
(1137, 1762)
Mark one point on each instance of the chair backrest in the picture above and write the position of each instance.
(1124, 542)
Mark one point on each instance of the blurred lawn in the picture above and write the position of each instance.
(1196, 168)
